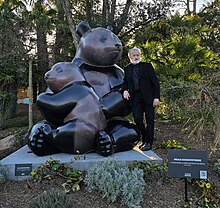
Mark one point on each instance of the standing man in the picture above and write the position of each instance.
(142, 88)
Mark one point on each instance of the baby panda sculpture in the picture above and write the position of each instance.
(85, 110)
(72, 113)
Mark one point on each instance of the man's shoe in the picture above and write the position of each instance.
(145, 147)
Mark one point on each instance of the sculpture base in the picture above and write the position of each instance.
(20, 163)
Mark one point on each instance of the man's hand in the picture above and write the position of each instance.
(156, 102)
(126, 95)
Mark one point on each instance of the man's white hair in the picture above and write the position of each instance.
(135, 49)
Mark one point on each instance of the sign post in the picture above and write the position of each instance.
(187, 164)
(186, 195)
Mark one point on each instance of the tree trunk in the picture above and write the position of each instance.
(123, 17)
(112, 12)
(66, 7)
(42, 53)
(59, 37)
(89, 4)
(30, 117)
(104, 13)
(194, 6)
(188, 7)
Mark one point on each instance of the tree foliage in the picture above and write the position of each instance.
(183, 49)
(175, 46)
(13, 50)
(188, 67)
(12, 42)
(210, 18)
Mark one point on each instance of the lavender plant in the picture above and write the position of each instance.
(52, 198)
(3, 174)
(116, 182)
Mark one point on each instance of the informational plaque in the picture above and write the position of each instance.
(23, 169)
(187, 164)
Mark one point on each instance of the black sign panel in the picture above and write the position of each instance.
(23, 169)
(187, 164)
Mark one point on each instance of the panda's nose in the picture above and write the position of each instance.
(118, 45)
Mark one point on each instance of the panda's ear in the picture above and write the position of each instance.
(109, 27)
(82, 28)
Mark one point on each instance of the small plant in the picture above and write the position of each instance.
(217, 167)
(3, 174)
(171, 144)
(52, 168)
(209, 195)
(116, 182)
(53, 198)
(152, 171)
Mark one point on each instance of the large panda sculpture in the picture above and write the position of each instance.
(84, 109)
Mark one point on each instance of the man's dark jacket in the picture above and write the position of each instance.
(149, 83)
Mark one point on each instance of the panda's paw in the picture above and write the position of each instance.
(103, 144)
(40, 139)
(37, 139)
(40, 135)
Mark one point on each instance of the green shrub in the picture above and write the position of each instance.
(152, 171)
(116, 182)
(3, 174)
(53, 198)
(171, 144)
(6, 107)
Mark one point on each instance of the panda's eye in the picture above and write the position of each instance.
(59, 70)
(103, 39)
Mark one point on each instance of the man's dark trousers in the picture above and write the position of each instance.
(139, 108)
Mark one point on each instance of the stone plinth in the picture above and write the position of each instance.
(21, 162)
